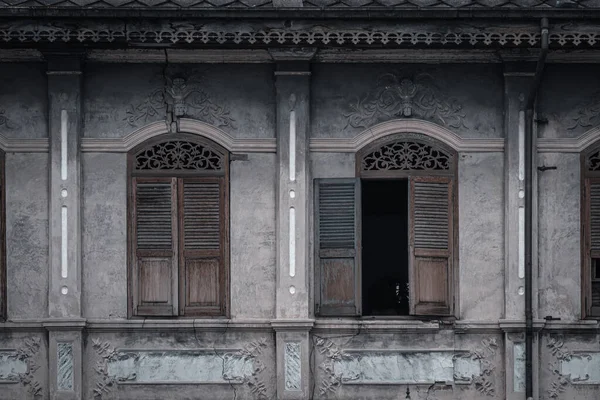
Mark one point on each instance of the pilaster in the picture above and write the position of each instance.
(518, 77)
(64, 294)
(292, 82)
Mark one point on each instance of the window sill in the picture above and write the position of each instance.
(199, 324)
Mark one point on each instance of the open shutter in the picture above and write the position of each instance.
(431, 241)
(337, 246)
(593, 257)
(155, 244)
(203, 227)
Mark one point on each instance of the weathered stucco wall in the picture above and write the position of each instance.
(253, 243)
(23, 101)
(238, 99)
(104, 235)
(481, 235)
(27, 235)
(559, 238)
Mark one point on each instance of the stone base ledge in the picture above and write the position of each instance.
(279, 325)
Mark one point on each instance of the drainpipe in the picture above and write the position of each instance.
(529, 154)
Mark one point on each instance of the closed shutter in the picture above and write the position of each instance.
(337, 246)
(202, 229)
(593, 257)
(155, 246)
(431, 241)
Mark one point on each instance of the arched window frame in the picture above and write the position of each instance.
(590, 242)
(350, 258)
(194, 174)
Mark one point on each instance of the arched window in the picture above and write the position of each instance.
(590, 217)
(178, 227)
(386, 241)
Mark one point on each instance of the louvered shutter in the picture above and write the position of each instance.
(337, 246)
(155, 244)
(431, 242)
(202, 228)
(593, 199)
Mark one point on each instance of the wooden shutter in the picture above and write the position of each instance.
(203, 229)
(592, 192)
(431, 245)
(337, 246)
(155, 246)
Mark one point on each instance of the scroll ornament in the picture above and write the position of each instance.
(396, 96)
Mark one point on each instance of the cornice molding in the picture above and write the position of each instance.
(352, 145)
(569, 145)
(17, 145)
(186, 125)
(274, 33)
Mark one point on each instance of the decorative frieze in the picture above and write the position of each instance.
(408, 367)
(19, 366)
(217, 366)
(397, 96)
(193, 34)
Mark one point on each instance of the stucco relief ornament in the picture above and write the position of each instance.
(484, 383)
(560, 382)
(587, 116)
(400, 97)
(27, 353)
(332, 353)
(179, 98)
(5, 122)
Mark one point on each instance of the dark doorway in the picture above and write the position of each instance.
(385, 247)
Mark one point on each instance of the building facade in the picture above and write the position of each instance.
(300, 200)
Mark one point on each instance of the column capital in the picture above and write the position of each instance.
(292, 62)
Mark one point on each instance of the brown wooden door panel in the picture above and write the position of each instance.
(431, 285)
(203, 229)
(202, 282)
(155, 280)
(337, 246)
(432, 245)
(154, 238)
(338, 282)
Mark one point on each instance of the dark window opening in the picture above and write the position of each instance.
(385, 253)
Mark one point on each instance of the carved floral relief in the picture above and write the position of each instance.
(26, 355)
(587, 115)
(397, 96)
(179, 97)
(561, 354)
(472, 369)
(243, 366)
(6, 122)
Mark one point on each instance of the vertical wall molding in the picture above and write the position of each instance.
(64, 293)
(292, 309)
